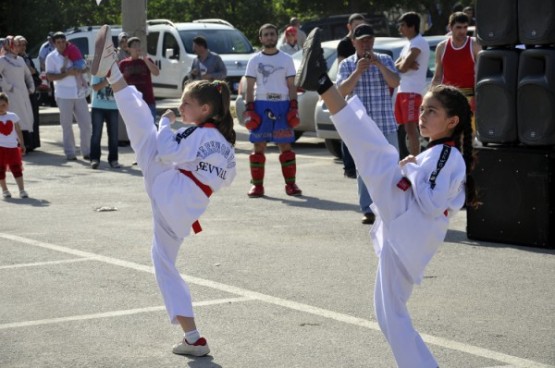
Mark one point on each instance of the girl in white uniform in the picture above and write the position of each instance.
(414, 199)
(181, 170)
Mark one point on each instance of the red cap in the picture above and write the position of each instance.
(291, 30)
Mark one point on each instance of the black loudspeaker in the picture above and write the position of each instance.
(496, 96)
(536, 22)
(536, 97)
(517, 188)
(496, 22)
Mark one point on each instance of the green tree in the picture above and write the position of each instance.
(35, 18)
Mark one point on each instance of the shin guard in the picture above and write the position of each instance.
(257, 162)
(288, 166)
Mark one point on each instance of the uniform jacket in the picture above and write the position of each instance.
(412, 218)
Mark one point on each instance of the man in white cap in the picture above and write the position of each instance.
(123, 49)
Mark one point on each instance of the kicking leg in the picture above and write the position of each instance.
(135, 112)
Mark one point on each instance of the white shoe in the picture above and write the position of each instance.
(23, 194)
(199, 348)
(6, 194)
(104, 52)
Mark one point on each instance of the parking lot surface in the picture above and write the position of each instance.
(277, 281)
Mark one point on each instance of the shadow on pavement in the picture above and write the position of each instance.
(459, 237)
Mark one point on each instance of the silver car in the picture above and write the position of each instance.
(324, 126)
(306, 99)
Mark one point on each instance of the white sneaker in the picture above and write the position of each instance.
(104, 52)
(6, 194)
(23, 194)
(199, 348)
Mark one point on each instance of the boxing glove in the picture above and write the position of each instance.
(251, 118)
(293, 119)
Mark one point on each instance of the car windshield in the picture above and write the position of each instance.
(220, 41)
(329, 55)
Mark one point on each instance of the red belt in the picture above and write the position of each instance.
(205, 189)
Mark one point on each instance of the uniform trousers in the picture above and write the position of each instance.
(165, 244)
(377, 162)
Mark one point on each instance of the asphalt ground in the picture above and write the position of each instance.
(276, 281)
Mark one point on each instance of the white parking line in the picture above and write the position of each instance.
(119, 313)
(439, 341)
(45, 263)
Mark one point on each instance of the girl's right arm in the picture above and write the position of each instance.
(178, 147)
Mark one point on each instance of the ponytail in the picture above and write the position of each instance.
(217, 95)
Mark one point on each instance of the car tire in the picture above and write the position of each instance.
(334, 147)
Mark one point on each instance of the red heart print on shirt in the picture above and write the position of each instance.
(6, 128)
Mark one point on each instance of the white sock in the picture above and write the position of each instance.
(115, 74)
(192, 336)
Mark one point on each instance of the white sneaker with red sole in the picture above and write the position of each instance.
(199, 348)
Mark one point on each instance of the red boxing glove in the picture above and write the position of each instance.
(293, 114)
(251, 118)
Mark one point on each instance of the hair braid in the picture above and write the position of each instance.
(456, 104)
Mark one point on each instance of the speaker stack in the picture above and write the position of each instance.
(515, 121)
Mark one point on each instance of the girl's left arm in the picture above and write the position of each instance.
(438, 187)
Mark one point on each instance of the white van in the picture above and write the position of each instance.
(82, 37)
(170, 45)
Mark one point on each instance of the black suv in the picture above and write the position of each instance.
(335, 27)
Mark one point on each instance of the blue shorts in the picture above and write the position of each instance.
(273, 126)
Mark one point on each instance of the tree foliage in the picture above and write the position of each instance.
(35, 18)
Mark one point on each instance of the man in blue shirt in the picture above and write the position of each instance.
(371, 77)
(207, 65)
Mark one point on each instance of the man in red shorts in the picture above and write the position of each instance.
(413, 65)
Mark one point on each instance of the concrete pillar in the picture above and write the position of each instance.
(133, 18)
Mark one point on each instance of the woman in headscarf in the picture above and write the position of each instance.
(16, 81)
(21, 48)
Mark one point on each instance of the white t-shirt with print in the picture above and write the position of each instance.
(271, 73)
(8, 134)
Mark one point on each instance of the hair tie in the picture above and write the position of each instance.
(218, 85)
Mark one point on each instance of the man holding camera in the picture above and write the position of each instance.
(372, 77)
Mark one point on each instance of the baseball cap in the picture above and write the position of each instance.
(59, 34)
(355, 16)
(122, 35)
(363, 30)
(291, 30)
(20, 38)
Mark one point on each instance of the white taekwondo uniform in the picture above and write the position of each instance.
(178, 199)
(413, 205)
